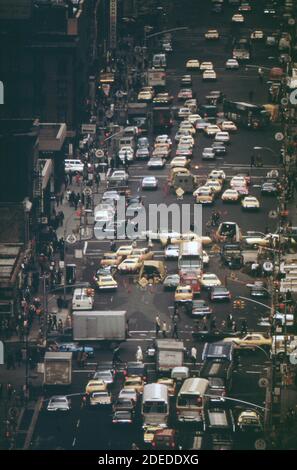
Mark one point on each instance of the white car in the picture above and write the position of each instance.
(145, 95)
(181, 133)
(183, 112)
(181, 162)
(192, 64)
(126, 153)
(209, 280)
(149, 182)
(208, 154)
(156, 162)
(163, 139)
(211, 130)
(212, 34)
(142, 153)
(185, 150)
(119, 175)
(186, 140)
(257, 34)
(237, 18)
(193, 118)
(129, 394)
(191, 104)
(206, 66)
(186, 80)
(110, 196)
(185, 93)
(232, 64)
(59, 403)
(187, 126)
(209, 75)
(228, 126)
(222, 136)
(230, 195)
(217, 174)
(172, 251)
(238, 181)
(250, 203)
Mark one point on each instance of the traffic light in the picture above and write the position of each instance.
(238, 304)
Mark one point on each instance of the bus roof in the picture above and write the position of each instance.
(188, 248)
(155, 392)
(194, 386)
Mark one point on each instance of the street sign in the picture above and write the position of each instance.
(260, 444)
(88, 128)
(279, 136)
(71, 239)
(272, 215)
(263, 382)
(99, 153)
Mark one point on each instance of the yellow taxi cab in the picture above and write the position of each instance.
(204, 195)
(149, 433)
(134, 382)
(106, 282)
(170, 384)
(111, 259)
(124, 250)
(250, 341)
(183, 294)
(96, 386)
(130, 264)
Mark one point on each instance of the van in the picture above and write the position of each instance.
(73, 165)
(127, 141)
(83, 299)
(130, 131)
(192, 399)
(159, 60)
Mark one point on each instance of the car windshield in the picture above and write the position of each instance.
(59, 400)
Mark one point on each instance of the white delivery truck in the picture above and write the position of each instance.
(170, 354)
(105, 326)
(57, 369)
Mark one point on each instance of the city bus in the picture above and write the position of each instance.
(246, 114)
(190, 257)
(155, 405)
(192, 399)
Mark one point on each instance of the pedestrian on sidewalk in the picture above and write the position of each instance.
(116, 355)
(139, 354)
(157, 325)
(55, 325)
(194, 355)
(175, 330)
(60, 326)
(229, 321)
(59, 303)
(164, 329)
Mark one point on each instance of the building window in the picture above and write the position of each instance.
(62, 67)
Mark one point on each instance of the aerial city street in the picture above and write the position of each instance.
(148, 272)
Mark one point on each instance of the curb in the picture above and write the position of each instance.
(31, 429)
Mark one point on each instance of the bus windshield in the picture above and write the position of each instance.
(190, 401)
(154, 407)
